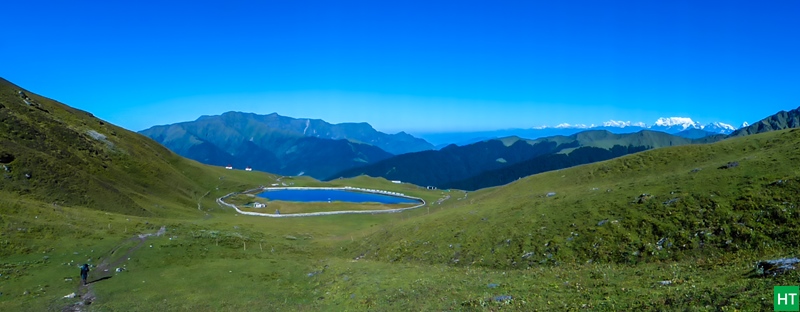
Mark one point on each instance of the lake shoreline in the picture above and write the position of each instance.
(329, 194)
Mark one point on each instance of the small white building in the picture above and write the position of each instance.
(248, 169)
(396, 182)
(229, 167)
(259, 205)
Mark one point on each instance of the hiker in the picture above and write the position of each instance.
(84, 273)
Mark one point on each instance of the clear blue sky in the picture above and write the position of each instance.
(415, 66)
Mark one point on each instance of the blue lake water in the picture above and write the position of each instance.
(333, 195)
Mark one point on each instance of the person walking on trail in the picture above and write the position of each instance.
(84, 273)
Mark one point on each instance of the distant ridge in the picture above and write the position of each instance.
(680, 126)
(781, 120)
(280, 144)
(495, 162)
(670, 125)
(488, 163)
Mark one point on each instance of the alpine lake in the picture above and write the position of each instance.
(309, 200)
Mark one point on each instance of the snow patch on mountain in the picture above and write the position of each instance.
(718, 127)
(666, 124)
(721, 125)
(682, 122)
(623, 124)
(569, 126)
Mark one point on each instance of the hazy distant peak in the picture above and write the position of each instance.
(274, 132)
(623, 124)
(204, 117)
(681, 123)
(721, 125)
(228, 113)
(566, 125)
(718, 127)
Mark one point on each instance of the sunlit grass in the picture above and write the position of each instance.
(595, 243)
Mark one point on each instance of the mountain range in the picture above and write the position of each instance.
(680, 126)
(499, 161)
(280, 144)
(485, 164)
(291, 146)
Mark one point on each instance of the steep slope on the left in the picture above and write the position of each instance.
(63, 156)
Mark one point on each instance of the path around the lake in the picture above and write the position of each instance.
(221, 201)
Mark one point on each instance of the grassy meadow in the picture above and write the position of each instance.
(676, 228)
(505, 248)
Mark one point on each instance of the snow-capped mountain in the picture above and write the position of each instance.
(681, 122)
(623, 124)
(680, 126)
(670, 125)
(568, 126)
(718, 127)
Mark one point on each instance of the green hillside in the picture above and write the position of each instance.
(66, 157)
(564, 159)
(683, 209)
(747, 207)
(676, 228)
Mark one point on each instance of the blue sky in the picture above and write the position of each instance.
(416, 66)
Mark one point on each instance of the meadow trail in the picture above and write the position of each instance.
(102, 271)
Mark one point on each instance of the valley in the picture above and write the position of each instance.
(680, 226)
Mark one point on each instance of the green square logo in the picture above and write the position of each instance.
(786, 298)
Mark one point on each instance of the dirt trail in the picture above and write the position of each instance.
(105, 269)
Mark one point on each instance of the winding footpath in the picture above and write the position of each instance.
(101, 272)
(221, 201)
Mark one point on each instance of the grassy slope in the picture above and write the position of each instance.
(574, 157)
(725, 203)
(215, 260)
(127, 173)
(409, 263)
(193, 269)
(605, 139)
(723, 217)
(86, 197)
